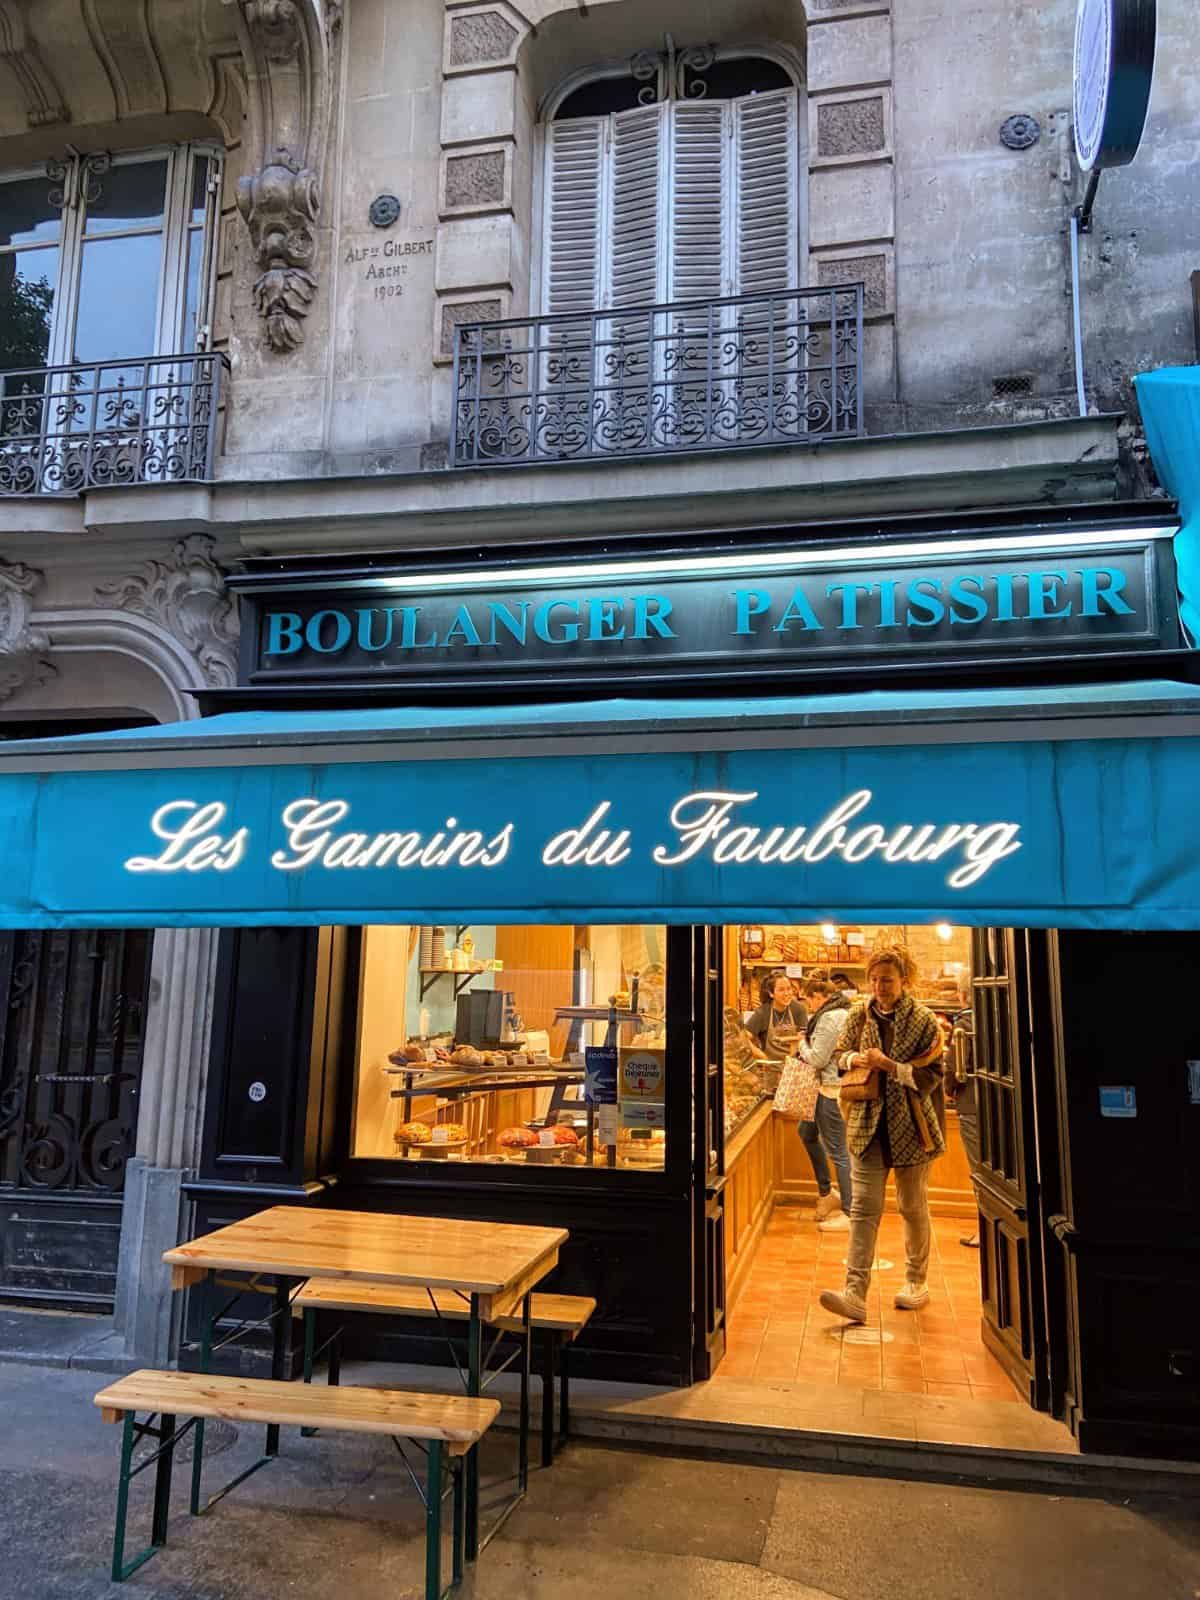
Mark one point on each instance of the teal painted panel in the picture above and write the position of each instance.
(1086, 833)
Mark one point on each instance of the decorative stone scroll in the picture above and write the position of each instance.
(23, 647)
(44, 103)
(286, 45)
(186, 596)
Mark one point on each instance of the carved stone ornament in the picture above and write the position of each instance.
(22, 647)
(286, 44)
(1020, 132)
(186, 596)
(44, 103)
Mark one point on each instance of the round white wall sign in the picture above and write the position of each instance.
(1114, 70)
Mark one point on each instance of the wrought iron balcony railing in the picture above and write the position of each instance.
(150, 420)
(782, 368)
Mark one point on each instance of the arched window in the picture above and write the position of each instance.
(677, 180)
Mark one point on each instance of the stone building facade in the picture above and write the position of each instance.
(371, 176)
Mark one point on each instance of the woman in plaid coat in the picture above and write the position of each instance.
(899, 1041)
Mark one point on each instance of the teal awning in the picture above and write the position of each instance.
(1052, 807)
(1170, 406)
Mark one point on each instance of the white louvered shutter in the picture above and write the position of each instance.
(765, 193)
(699, 210)
(576, 155)
(635, 224)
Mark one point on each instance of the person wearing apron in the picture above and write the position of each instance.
(778, 1023)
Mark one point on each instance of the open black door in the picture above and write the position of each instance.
(1010, 1235)
(708, 1180)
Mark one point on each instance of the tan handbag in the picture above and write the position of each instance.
(859, 1083)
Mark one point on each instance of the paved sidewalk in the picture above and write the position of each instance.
(335, 1517)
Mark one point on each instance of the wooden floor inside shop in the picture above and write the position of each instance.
(779, 1333)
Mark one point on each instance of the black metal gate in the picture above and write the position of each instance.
(72, 1014)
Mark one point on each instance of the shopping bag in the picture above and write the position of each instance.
(796, 1095)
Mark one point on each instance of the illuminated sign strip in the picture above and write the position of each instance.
(731, 565)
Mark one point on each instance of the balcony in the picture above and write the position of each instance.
(783, 368)
(155, 419)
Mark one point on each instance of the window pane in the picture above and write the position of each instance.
(26, 214)
(131, 196)
(118, 298)
(602, 97)
(199, 189)
(27, 281)
(472, 1046)
(195, 259)
(744, 75)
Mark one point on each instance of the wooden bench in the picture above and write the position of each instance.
(560, 1317)
(446, 1425)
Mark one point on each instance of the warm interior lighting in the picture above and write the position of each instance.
(829, 933)
(945, 932)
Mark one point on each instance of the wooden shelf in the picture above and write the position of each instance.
(430, 975)
(822, 961)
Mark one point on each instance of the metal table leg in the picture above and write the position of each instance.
(280, 1331)
(207, 1313)
(548, 1351)
(476, 1384)
(433, 1522)
(474, 1389)
(523, 1445)
(167, 1437)
(280, 1319)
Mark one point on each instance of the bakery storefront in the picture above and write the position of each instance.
(505, 852)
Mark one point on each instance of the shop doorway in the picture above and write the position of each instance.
(982, 1335)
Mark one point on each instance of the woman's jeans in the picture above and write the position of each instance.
(912, 1196)
(828, 1134)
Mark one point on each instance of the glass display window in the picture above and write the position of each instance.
(520, 1046)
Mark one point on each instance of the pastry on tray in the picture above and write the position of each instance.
(517, 1138)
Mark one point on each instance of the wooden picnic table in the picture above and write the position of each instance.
(494, 1266)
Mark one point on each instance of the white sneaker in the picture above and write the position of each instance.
(836, 1222)
(844, 1305)
(827, 1204)
(912, 1297)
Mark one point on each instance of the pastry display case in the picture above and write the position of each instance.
(496, 1072)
